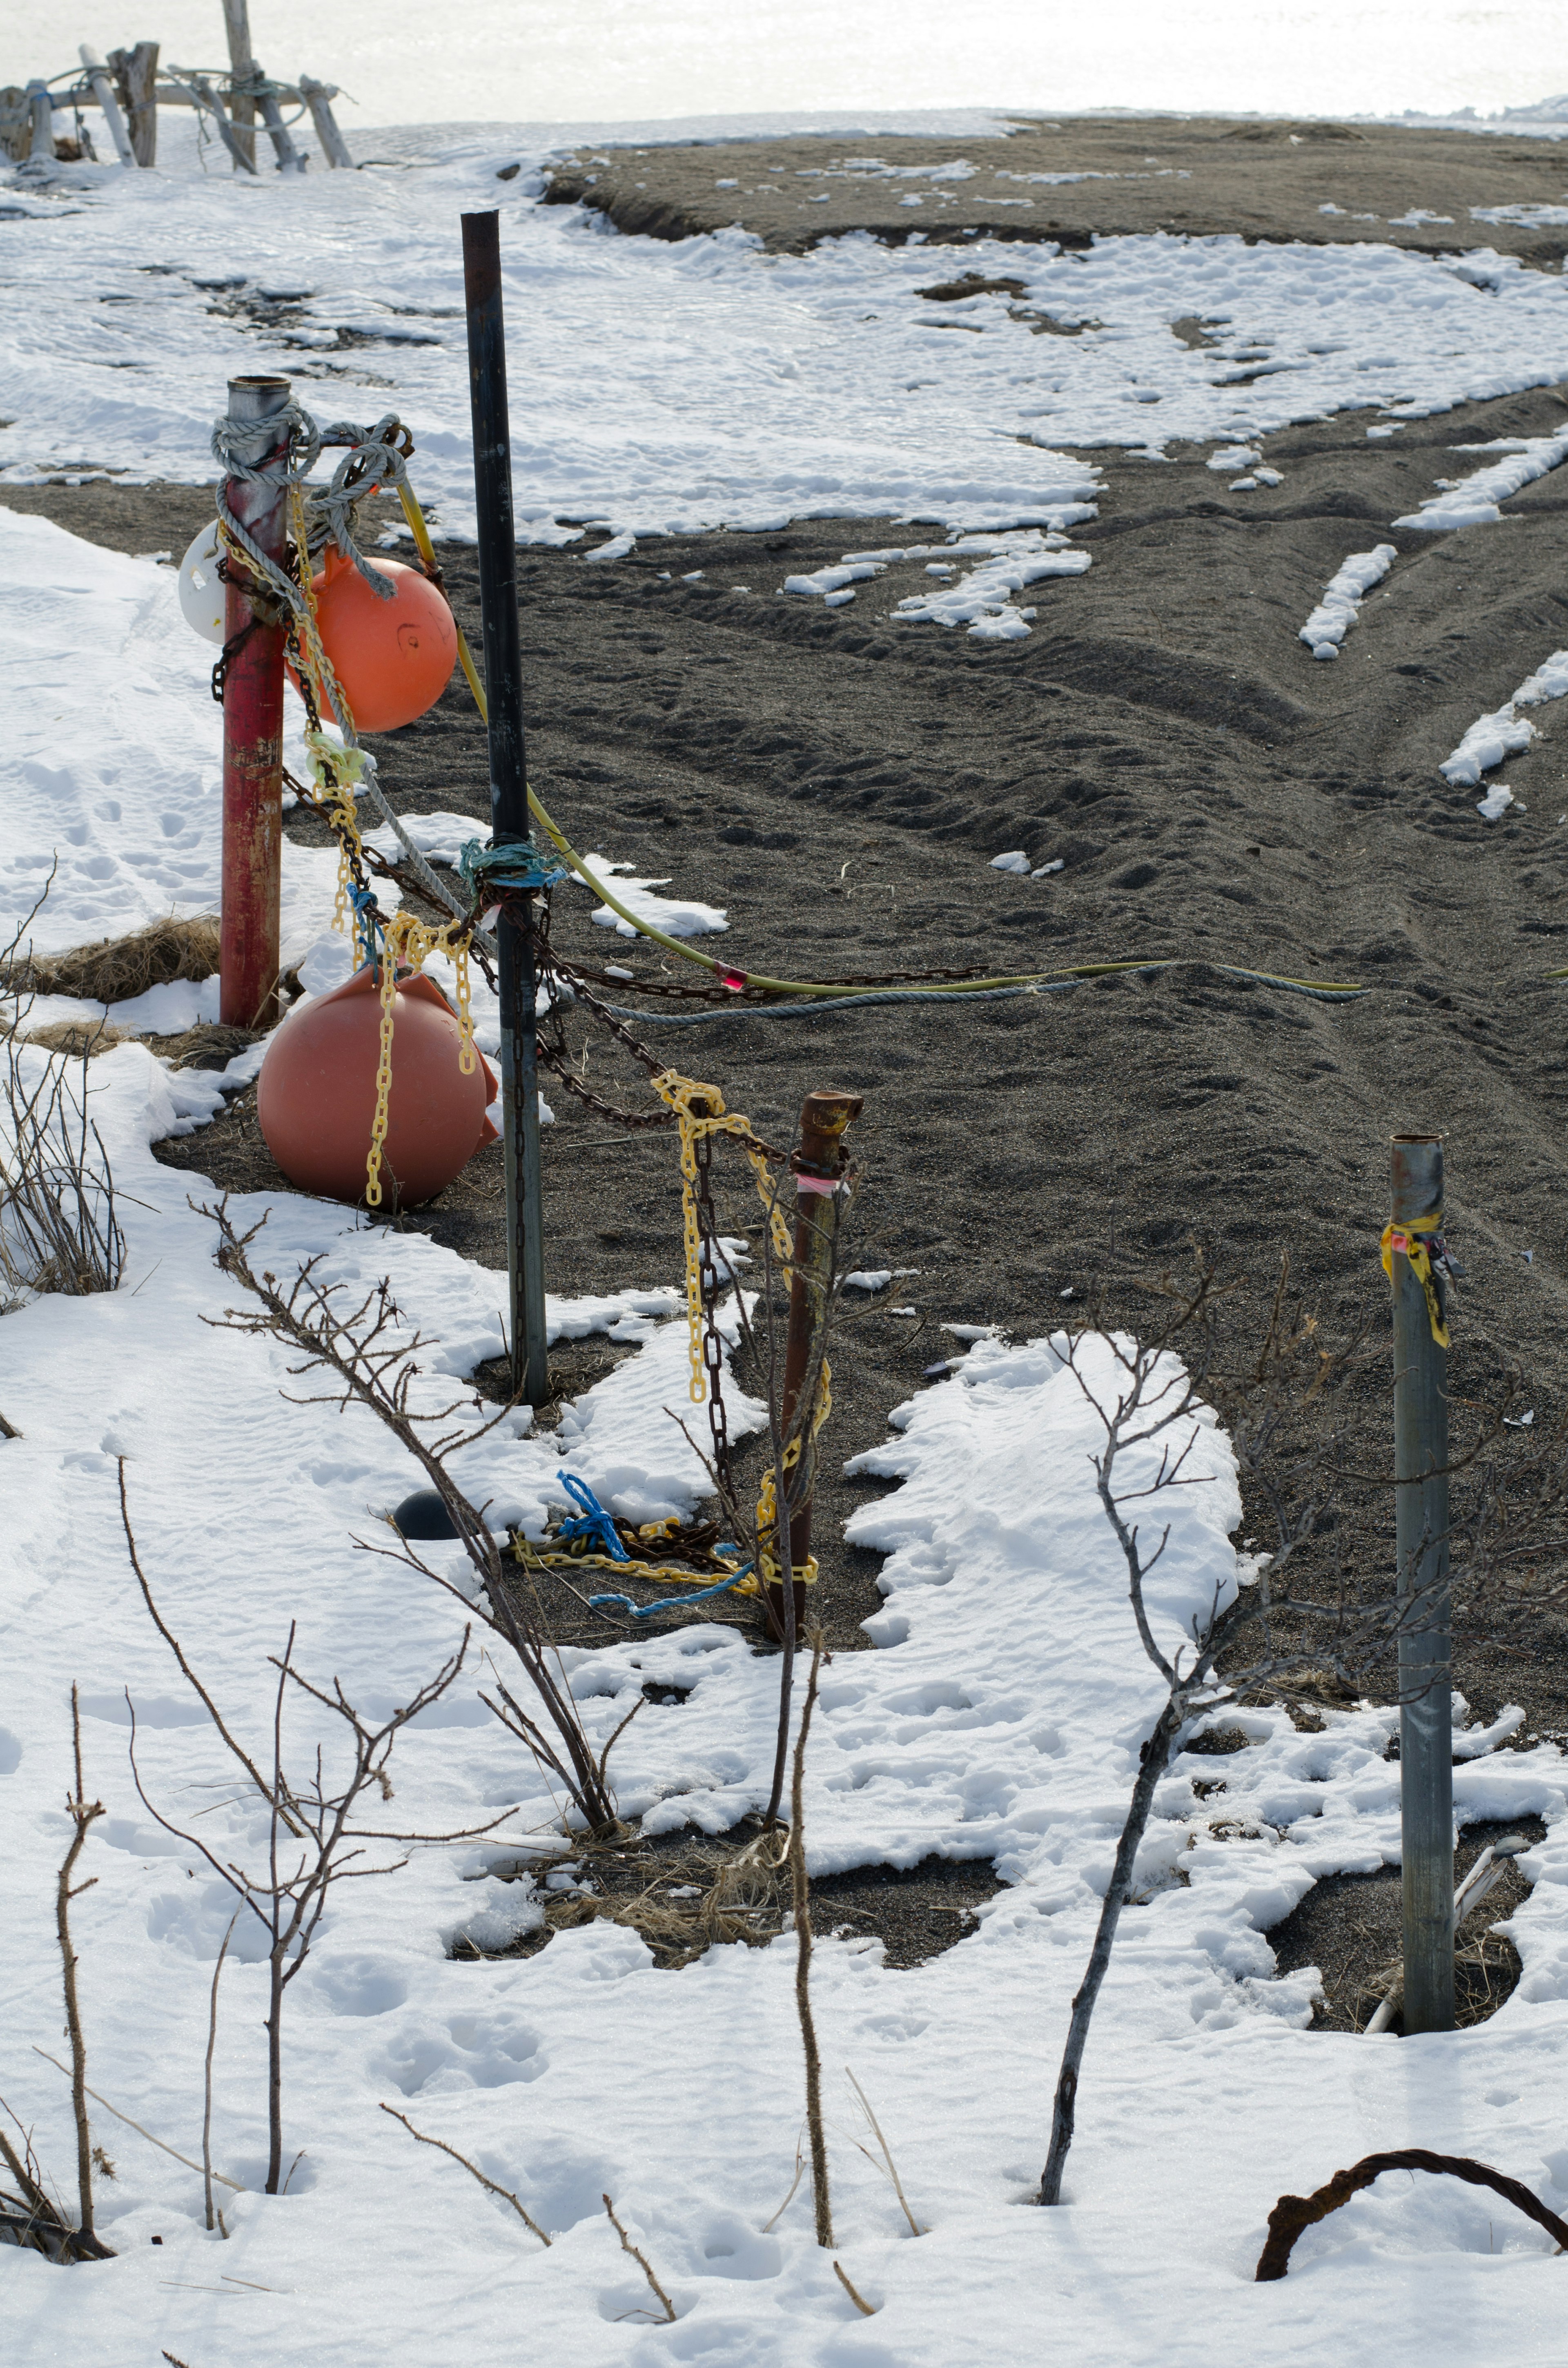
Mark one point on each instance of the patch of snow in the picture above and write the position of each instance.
(678, 917)
(1505, 732)
(1473, 500)
(1343, 594)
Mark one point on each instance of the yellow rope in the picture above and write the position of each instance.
(662, 1574)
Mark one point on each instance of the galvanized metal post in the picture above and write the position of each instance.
(1421, 1514)
(819, 1166)
(508, 796)
(253, 740)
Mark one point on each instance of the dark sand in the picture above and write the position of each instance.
(839, 783)
(1264, 180)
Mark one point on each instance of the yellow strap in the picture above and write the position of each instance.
(1407, 1238)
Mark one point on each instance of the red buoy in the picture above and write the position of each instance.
(393, 657)
(316, 1095)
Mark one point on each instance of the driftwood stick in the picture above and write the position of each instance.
(1294, 2212)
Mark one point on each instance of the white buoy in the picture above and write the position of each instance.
(201, 592)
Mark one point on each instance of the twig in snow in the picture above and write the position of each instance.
(866, 2310)
(801, 1893)
(641, 2261)
(794, 2183)
(84, 1815)
(915, 2229)
(474, 2172)
(207, 2085)
(238, 2185)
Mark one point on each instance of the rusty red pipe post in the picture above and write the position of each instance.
(819, 1166)
(252, 737)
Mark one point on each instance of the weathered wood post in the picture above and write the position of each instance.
(253, 731)
(509, 797)
(819, 1166)
(318, 97)
(289, 157)
(103, 91)
(242, 65)
(1421, 1522)
(40, 148)
(232, 141)
(137, 73)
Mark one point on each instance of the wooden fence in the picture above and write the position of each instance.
(44, 119)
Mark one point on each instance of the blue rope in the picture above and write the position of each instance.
(673, 1602)
(508, 863)
(591, 1521)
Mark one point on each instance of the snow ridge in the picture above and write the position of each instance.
(1505, 732)
(1343, 594)
(1473, 500)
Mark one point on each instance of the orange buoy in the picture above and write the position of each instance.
(316, 1094)
(393, 657)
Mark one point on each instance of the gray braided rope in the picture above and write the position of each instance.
(249, 449)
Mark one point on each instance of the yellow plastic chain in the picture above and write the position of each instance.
(408, 942)
(767, 1500)
(681, 1094)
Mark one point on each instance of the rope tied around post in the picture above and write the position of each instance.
(1420, 1241)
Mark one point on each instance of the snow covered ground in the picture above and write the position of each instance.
(1000, 1713)
(724, 386)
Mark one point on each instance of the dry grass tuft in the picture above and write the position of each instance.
(117, 968)
(729, 1896)
(210, 1045)
(84, 1040)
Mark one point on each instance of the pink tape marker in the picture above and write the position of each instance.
(817, 1183)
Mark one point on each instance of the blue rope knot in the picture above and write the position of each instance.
(590, 1523)
(509, 864)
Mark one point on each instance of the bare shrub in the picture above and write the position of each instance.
(312, 1838)
(368, 1361)
(59, 1228)
(1290, 1628)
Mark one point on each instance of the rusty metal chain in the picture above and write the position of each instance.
(712, 1340)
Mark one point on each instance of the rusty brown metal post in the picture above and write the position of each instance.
(253, 736)
(1421, 1520)
(819, 1166)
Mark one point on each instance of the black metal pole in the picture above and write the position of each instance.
(509, 797)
